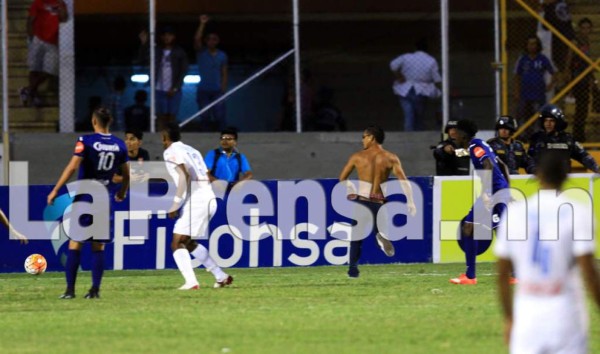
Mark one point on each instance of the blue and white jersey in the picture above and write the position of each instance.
(479, 150)
(102, 155)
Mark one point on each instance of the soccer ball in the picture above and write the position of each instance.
(35, 264)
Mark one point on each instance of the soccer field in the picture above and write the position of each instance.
(390, 309)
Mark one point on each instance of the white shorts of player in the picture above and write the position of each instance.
(43, 57)
(196, 213)
(553, 324)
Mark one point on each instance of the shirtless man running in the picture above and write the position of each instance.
(373, 165)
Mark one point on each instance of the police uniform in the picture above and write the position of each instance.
(449, 164)
(563, 142)
(513, 155)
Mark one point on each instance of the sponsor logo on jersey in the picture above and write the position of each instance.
(98, 146)
(79, 147)
(478, 151)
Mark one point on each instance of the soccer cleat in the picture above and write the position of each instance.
(92, 294)
(386, 246)
(353, 273)
(190, 287)
(223, 283)
(24, 95)
(463, 280)
(68, 295)
(513, 281)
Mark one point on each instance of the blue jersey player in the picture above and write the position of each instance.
(487, 209)
(97, 157)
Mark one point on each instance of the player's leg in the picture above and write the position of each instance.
(200, 252)
(468, 245)
(97, 269)
(201, 210)
(71, 268)
(183, 260)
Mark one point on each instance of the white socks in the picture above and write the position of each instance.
(184, 263)
(201, 254)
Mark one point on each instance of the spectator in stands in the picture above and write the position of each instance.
(212, 65)
(450, 159)
(511, 151)
(557, 13)
(226, 162)
(575, 66)
(171, 67)
(530, 87)
(327, 116)
(137, 155)
(42, 59)
(416, 76)
(307, 98)
(115, 104)
(553, 138)
(137, 116)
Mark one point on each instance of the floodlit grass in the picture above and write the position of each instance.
(390, 309)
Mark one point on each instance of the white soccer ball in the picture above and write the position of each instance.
(35, 264)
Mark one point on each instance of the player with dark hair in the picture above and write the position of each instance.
(551, 253)
(196, 200)
(226, 162)
(511, 151)
(494, 197)
(373, 165)
(97, 156)
(554, 138)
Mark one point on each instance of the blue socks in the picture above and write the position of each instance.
(73, 260)
(470, 248)
(97, 268)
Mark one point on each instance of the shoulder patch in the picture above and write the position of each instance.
(79, 147)
(478, 151)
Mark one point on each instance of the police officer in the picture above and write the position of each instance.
(450, 159)
(511, 151)
(553, 137)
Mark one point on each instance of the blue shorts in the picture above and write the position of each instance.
(481, 216)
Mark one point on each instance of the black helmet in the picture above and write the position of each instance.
(507, 122)
(451, 124)
(554, 112)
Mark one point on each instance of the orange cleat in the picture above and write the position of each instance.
(513, 281)
(463, 280)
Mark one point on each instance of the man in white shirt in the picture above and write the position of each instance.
(416, 76)
(196, 200)
(548, 240)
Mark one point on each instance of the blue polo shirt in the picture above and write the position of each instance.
(531, 71)
(228, 168)
(209, 67)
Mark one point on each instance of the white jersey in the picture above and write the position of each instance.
(542, 244)
(181, 154)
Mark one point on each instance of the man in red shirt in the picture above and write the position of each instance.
(42, 30)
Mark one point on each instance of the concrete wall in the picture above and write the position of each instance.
(272, 155)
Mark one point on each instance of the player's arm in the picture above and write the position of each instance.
(200, 32)
(589, 271)
(69, 170)
(504, 169)
(11, 229)
(404, 183)
(505, 270)
(183, 177)
(124, 182)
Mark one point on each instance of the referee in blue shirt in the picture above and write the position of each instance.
(227, 163)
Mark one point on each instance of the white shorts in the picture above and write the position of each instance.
(43, 57)
(195, 215)
(548, 326)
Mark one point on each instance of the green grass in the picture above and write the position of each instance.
(390, 309)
